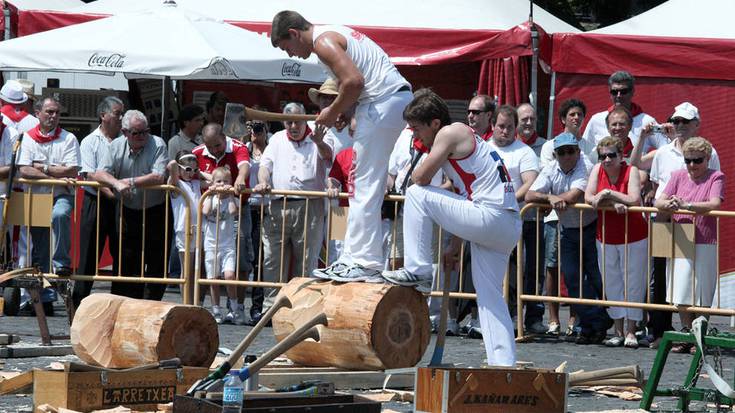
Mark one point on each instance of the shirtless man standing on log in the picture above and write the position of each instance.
(365, 75)
(483, 212)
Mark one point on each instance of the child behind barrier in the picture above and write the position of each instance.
(219, 211)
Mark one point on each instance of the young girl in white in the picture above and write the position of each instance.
(219, 211)
(184, 174)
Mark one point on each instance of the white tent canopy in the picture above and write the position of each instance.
(163, 41)
(680, 18)
(57, 5)
(429, 14)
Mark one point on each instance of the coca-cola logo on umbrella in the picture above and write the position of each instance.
(115, 60)
(291, 69)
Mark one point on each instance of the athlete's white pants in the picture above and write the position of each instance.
(378, 126)
(613, 272)
(492, 234)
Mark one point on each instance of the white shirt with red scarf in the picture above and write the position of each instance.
(58, 148)
(17, 118)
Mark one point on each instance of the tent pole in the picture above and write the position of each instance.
(164, 107)
(552, 100)
(534, 61)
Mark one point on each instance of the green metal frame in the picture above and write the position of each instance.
(687, 392)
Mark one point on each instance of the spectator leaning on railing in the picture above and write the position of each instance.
(700, 189)
(614, 183)
(50, 152)
(91, 243)
(562, 183)
(140, 158)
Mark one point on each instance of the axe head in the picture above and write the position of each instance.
(235, 124)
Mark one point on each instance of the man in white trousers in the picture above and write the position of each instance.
(484, 211)
(365, 75)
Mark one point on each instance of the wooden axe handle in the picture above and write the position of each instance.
(307, 330)
(254, 114)
(281, 302)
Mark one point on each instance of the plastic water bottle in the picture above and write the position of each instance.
(232, 394)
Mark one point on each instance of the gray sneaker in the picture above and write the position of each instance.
(405, 278)
(331, 271)
(357, 272)
(536, 327)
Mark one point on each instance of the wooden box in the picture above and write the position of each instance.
(495, 389)
(87, 391)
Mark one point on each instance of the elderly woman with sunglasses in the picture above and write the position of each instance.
(621, 236)
(699, 189)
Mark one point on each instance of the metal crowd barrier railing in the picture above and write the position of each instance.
(283, 198)
(521, 297)
(75, 229)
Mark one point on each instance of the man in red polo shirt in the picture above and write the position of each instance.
(220, 150)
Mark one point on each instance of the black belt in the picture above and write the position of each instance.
(404, 88)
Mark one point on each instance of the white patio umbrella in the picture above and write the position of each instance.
(165, 41)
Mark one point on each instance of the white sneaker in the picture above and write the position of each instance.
(474, 330)
(238, 316)
(330, 271)
(405, 278)
(452, 327)
(217, 313)
(357, 272)
(229, 318)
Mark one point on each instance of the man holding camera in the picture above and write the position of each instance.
(622, 87)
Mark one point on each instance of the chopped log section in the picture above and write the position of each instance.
(120, 332)
(371, 326)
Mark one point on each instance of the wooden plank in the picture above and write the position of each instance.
(681, 241)
(342, 379)
(15, 382)
(30, 210)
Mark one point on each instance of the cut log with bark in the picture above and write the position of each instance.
(371, 326)
(119, 332)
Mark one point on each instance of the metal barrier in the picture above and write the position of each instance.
(74, 228)
(521, 297)
(284, 197)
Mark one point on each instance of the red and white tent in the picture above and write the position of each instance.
(678, 51)
(462, 40)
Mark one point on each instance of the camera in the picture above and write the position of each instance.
(657, 129)
(258, 127)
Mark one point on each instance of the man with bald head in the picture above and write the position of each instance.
(295, 159)
(218, 150)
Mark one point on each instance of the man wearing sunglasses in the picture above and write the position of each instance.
(562, 183)
(140, 159)
(621, 86)
(479, 112)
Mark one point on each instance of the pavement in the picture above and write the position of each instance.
(542, 352)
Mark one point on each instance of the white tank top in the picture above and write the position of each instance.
(381, 77)
(481, 177)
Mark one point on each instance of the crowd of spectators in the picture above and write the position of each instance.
(623, 158)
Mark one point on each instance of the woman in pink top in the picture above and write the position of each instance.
(698, 189)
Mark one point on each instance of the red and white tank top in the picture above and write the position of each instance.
(482, 177)
(380, 75)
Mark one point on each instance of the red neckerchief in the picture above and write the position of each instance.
(307, 132)
(487, 135)
(635, 109)
(530, 140)
(39, 137)
(419, 146)
(13, 114)
(628, 148)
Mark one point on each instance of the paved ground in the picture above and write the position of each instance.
(547, 353)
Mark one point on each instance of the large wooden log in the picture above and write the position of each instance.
(371, 326)
(120, 332)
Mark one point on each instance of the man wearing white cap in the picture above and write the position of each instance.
(14, 113)
(683, 124)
